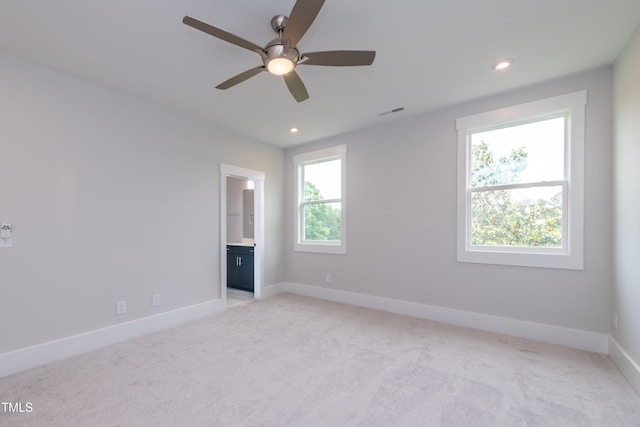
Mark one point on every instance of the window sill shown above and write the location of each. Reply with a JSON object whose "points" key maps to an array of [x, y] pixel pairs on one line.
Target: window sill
{"points": [[523, 259], [320, 248]]}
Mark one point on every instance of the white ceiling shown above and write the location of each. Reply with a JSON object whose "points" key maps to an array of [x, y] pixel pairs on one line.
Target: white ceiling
{"points": [[430, 54]]}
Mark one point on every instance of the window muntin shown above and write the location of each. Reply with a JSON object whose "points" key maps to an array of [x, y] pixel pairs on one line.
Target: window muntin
{"points": [[517, 180], [320, 202], [521, 184]]}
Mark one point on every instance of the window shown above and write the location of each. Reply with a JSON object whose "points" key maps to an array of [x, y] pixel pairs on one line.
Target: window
{"points": [[320, 208], [520, 184]]}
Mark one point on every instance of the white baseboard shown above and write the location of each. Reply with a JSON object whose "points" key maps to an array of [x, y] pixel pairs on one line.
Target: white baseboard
{"points": [[271, 290], [41, 354], [573, 338], [629, 368]]}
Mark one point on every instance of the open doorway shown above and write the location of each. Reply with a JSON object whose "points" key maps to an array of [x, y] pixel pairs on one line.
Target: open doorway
{"points": [[242, 233]]}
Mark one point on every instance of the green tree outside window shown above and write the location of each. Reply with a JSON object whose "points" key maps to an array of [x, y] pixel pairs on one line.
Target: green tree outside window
{"points": [[321, 220]]}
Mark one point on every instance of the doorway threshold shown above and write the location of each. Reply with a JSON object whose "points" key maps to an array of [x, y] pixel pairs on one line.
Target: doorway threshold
{"points": [[237, 297]]}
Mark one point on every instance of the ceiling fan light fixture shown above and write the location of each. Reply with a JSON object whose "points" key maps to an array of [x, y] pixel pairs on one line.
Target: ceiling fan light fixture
{"points": [[280, 66]]}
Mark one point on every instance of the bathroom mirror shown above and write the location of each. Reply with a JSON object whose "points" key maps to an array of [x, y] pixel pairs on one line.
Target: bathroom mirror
{"points": [[247, 214]]}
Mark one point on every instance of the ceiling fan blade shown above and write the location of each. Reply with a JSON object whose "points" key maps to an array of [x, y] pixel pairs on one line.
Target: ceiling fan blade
{"points": [[339, 58], [221, 34], [296, 87], [240, 77], [302, 15]]}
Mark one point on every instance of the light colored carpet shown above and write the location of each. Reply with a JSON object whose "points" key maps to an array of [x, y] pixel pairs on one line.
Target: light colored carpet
{"points": [[296, 361]]}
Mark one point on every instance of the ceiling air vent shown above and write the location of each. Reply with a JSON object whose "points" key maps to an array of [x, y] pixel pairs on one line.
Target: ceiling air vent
{"points": [[395, 110]]}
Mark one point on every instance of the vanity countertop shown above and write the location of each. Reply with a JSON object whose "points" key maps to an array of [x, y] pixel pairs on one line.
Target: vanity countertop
{"points": [[241, 244]]}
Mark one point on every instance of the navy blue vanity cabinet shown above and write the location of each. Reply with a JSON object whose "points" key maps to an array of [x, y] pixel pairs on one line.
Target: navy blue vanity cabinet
{"points": [[240, 267]]}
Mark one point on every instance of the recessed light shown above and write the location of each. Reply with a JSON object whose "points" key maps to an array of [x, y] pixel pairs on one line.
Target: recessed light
{"points": [[503, 64], [293, 129]]}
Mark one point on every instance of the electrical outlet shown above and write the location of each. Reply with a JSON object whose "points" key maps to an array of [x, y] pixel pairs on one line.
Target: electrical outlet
{"points": [[328, 278], [155, 300], [615, 321], [6, 232], [121, 307]]}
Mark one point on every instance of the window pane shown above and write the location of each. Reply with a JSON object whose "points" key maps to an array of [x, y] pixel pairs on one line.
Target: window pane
{"points": [[519, 217], [322, 181], [322, 221], [532, 152]]}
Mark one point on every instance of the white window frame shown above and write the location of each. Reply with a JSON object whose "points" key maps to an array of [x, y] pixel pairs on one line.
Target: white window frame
{"points": [[571, 255], [299, 161]]}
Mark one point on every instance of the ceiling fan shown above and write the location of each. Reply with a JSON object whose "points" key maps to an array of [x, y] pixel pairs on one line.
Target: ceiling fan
{"points": [[281, 55]]}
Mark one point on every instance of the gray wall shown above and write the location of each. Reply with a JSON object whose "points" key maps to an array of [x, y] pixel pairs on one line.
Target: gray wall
{"points": [[401, 186], [626, 290], [112, 199]]}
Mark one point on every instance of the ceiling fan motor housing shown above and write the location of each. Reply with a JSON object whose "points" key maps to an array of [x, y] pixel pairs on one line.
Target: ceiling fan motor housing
{"points": [[277, 50]]}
